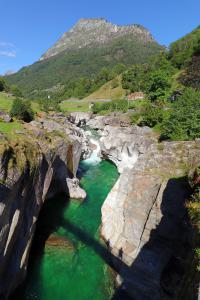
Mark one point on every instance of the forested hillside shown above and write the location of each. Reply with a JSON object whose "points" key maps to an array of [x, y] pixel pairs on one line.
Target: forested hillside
{"points": [[60, 71]]}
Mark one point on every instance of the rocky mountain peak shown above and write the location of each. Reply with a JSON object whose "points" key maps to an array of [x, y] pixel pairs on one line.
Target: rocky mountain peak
{"points": [[91, 32]]}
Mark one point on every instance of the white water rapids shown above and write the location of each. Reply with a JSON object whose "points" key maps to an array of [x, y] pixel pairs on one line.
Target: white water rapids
{"points": [[94, 158]]}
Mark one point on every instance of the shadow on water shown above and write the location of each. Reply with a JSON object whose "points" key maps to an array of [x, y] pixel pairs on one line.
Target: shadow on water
{"points": [[49, 221], [160, 264]]}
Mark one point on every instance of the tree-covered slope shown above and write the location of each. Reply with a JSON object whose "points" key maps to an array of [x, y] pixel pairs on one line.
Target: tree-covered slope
{"points": [[73, 63], [183, 49]]}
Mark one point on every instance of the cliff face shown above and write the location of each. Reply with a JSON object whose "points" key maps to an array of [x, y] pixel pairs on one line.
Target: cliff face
{"points": [[144, 218], [96, 32], [33, 168]]}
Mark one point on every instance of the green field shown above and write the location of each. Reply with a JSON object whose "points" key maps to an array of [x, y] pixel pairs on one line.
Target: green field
{"points": [[9, 128], [5, 102], [70, 106]]}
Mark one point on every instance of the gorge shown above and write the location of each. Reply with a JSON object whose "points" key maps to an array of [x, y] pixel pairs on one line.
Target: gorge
{"points": [[144, 223]]}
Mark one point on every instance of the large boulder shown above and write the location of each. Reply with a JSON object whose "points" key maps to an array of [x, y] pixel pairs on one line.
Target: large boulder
{"points": [[114, 119], [79, 118], [75, 191], [5, 117]]}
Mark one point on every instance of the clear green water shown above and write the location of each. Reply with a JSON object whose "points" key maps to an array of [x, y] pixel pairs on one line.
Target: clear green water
{"points": [[75, 272]]}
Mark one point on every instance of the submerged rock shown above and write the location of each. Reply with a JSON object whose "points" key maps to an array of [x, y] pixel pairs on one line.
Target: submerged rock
{"points": [[58, 242]]}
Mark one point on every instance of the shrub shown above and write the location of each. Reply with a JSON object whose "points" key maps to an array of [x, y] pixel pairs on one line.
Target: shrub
{"points": [[183, 123], [47, 105], [151, 115], [115, 83], [114, 105], [119, 105], [136, 119], [22, 110]]}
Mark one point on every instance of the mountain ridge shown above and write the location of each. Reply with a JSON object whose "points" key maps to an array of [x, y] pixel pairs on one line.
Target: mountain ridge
{"points": [[88, 32], [82, 52]]}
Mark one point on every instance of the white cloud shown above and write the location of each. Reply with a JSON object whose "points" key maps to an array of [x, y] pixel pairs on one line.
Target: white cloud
{"points": [[8, 53], [7, 49], [6, 44]]}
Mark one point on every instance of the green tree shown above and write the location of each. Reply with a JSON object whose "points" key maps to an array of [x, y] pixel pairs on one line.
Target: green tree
{"points": [[151, 115], [134, 78], [103, 75], [183, 122], [16, 91], [158, 85], [21, 109], [119, 68], [2, 84]]}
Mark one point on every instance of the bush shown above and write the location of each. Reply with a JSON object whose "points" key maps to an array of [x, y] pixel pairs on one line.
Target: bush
{"points": [[152, 115], [114, 105], [136, 119], [22, 110], [47, 105], [183, 123]]}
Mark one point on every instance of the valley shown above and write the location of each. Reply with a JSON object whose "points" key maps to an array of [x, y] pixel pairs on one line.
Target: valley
{"points": [[100, 168]]}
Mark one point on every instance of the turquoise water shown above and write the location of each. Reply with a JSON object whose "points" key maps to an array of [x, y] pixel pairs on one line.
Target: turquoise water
{"points": [[75, 271]]}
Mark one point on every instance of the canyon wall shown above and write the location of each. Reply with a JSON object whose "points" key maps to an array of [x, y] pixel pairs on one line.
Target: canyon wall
{"points": [[34, 166], [144, 218]]}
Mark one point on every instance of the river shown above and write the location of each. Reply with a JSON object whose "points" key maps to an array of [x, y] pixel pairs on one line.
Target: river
{"points": [[73, 269]]}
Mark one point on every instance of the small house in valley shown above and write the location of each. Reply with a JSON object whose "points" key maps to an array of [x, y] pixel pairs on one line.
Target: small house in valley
{"points": [[135, 96]]}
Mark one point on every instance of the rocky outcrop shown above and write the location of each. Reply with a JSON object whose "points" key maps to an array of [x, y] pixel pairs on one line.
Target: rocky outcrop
{"points": [[79, 118], [75, 191], [144, 219], [145, 224], [96, 32], [39, 163], [124, 145], [5, 117], [114, 119]]}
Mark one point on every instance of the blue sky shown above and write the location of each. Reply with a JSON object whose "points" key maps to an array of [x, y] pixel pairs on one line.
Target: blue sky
{"points": [[29, 27]]}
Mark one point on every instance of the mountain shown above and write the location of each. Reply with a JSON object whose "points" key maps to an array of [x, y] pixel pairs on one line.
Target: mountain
{"points": [[83, 51], [96, 33]]}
